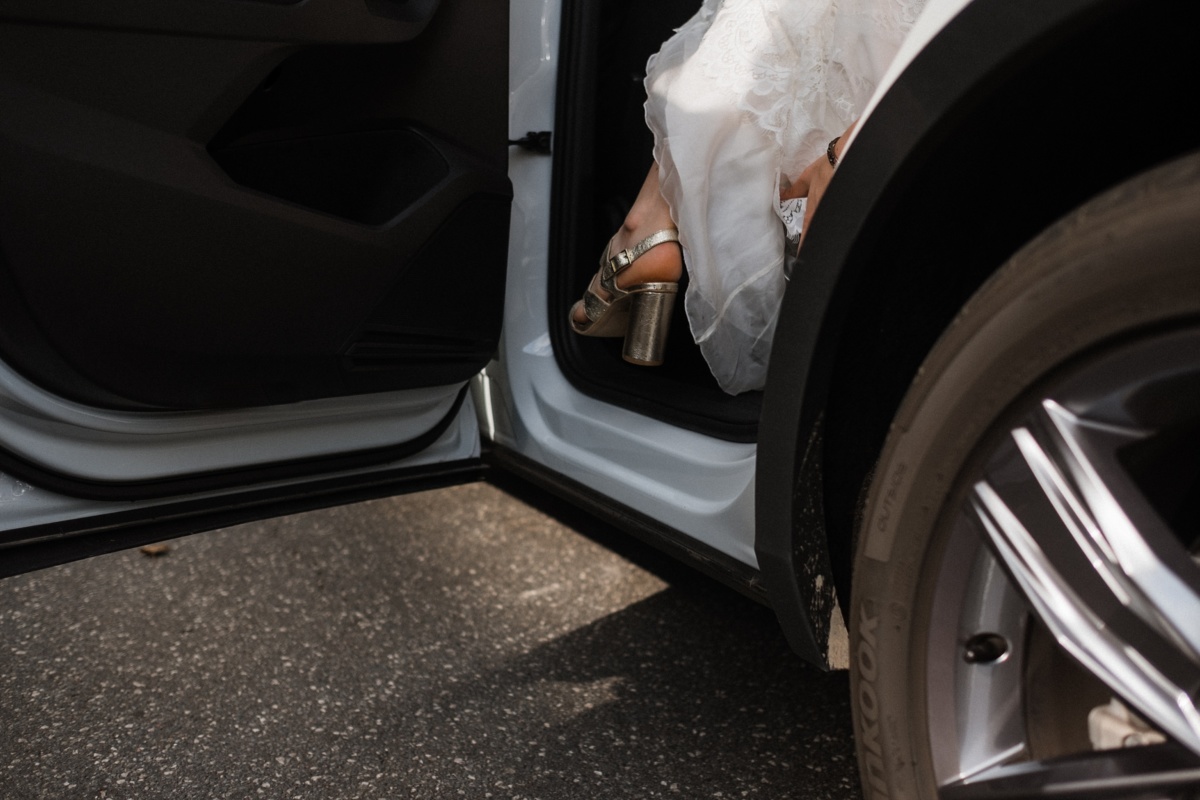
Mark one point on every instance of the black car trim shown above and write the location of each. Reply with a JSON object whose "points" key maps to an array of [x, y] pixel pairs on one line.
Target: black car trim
{"points": [[704, 558], [61, 542], [36, 475]]}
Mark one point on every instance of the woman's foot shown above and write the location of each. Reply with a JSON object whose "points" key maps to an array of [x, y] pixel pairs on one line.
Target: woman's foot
{"points": [[660, 264]]}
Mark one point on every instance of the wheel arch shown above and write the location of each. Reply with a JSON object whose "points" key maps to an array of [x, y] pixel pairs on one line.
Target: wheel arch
{"points": [[1016, 113]]}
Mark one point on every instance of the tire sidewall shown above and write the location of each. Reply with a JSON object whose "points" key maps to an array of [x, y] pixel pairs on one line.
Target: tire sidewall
{"points": [[1121, 265]]}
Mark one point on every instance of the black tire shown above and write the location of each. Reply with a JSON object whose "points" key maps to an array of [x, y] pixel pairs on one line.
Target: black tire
{"points": [[1117, 272]]}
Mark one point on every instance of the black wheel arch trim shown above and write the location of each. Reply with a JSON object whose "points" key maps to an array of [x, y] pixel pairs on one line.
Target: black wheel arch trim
{"points": [[918, 218]]}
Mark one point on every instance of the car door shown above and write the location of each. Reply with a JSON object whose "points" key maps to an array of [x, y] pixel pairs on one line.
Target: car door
{"points": [[251, 253]]}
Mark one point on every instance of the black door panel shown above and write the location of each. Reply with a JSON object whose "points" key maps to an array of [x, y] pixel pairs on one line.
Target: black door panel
{"points": [[263, 20], [249, 203]]}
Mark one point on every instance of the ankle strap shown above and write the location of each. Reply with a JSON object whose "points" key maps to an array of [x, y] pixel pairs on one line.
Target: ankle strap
{"points": [[618, 262]]}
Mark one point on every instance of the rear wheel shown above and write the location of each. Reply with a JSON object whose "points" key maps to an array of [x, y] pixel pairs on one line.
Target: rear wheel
{"points": [[1026, 604]]}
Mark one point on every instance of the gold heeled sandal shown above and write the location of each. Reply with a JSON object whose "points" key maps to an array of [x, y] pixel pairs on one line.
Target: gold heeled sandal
{"points": [[641, 313]]}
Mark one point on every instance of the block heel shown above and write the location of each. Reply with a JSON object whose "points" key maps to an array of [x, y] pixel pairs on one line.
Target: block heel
{"points": [[641, 313], [649, 323]]}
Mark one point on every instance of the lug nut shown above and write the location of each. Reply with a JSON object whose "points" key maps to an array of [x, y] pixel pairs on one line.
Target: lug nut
{"points": [[985, 648]]}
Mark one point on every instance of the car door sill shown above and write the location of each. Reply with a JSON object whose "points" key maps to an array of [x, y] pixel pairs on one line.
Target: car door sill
{"points": [[219, 480]]}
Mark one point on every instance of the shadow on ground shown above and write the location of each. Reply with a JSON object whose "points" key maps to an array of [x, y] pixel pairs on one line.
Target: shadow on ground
{"points": [[456, 643]]}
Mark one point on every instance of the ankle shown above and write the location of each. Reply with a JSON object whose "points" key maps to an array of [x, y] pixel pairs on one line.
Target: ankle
{"points": [[642, 222], [628, 230]]}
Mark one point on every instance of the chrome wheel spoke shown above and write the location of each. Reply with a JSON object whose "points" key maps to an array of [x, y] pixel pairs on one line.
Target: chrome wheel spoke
{"points": [[1160, 771], [1132, 548], [1110, 581]]}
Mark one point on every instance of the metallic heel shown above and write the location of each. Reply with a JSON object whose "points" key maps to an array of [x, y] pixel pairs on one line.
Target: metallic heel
{"points": [[641, 313], [649, 323]]}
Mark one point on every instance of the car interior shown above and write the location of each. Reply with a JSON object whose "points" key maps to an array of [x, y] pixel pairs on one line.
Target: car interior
{"points": [[261, 216], [602, 151]]}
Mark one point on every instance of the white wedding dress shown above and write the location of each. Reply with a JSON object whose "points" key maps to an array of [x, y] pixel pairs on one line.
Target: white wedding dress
{"points": [[742, 96]]}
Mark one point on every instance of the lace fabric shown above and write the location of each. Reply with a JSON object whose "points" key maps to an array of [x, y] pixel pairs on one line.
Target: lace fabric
{"points": [[742, 96]]}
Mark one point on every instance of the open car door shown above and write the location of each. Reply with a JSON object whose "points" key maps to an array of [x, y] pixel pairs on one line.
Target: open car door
{"points": [[251, 253]]}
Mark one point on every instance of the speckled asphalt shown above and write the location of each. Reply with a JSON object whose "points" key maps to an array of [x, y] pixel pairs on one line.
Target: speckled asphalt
{"points": [[453, 643]]}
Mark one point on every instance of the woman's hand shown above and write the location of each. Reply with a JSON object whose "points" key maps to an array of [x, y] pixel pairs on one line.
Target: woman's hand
{"points": [[813, 181]]}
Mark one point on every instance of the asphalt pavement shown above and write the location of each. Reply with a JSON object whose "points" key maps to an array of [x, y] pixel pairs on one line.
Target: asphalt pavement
{"points": [[452, 643]]}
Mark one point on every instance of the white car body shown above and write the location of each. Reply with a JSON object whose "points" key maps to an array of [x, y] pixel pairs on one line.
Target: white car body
{"points": [[697, 484]]}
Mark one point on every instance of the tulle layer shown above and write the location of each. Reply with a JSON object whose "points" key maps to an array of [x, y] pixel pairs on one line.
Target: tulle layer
{"points": [[743, 95]]}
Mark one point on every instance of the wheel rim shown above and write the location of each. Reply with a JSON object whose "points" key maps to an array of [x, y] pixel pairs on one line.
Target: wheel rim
{"points": [[1067, 576]]}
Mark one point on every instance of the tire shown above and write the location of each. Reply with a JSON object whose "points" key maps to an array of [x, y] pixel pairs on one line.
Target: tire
{"points": [[969, 669]]}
